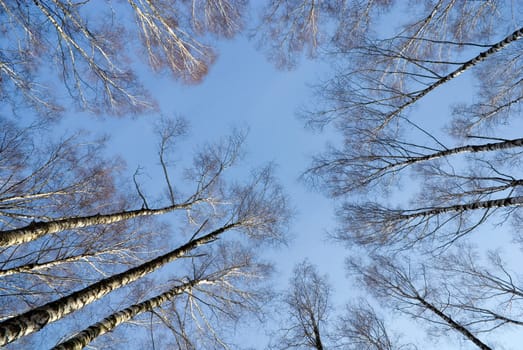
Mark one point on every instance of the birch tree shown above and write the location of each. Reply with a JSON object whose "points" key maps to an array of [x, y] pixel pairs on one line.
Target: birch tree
{"points": [[464, 290], [360, 327], [310, 320], [411, 292], [386, 75], [226, 281], [289, 28], [89, 44], [207, 171], [378, 81], [485, 293], [407, 181], [254, 211], [387, 158], [307, 308], [94, 255], [440, 226]]}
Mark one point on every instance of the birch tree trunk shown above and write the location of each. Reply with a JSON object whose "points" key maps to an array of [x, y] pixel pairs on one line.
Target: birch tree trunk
{"points": [[494, 203], [487, 147], [407, 287], [38, 229], [35, 319], [516, 35], [453, 324], [84, 337], [343, 171], [31, 267]]}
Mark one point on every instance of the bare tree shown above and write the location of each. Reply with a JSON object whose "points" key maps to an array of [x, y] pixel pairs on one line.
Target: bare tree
{"points": [[33, 320], [377, 81], [486, 296], [226, 281], [209, 167], [380, 226], [453, 197], [380, 77], [287, 28], [208, 315], [411, 291], [403, 182], [90, 45], [360, 327], [453, 291], [220, 17], [308, 306], [258, 209], [378, 164], [96, 254], [307, 319]]}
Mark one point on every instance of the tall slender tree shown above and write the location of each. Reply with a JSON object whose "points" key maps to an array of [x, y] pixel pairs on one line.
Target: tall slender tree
{"points": [[410, 289], [307, 306], [54, 262], [409, 183], [227, 282], [89, 43]]}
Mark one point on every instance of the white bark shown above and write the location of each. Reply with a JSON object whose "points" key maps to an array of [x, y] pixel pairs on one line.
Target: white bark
{"points": [[35, 319], [84, 337], [516, 35], [38, 229]]}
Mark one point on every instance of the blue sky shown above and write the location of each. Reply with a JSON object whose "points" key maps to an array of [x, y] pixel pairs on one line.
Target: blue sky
{"points": [[244, 90]]}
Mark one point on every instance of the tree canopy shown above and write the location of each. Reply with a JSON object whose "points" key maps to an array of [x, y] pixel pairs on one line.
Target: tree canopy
{"points": [[419, 103]]}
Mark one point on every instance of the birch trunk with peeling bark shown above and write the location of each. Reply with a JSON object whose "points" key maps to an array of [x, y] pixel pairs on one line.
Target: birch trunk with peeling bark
{"points": [[84, 337], [516, 35], [488, 204], [36, 230], [35, 319]]}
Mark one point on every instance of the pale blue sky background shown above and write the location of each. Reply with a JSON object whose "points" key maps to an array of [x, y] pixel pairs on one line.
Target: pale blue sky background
{"points": [[244, 90]]}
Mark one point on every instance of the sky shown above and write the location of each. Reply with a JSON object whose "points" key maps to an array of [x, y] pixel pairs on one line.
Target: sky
{"points": [[244, 90], [241, 91]]}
